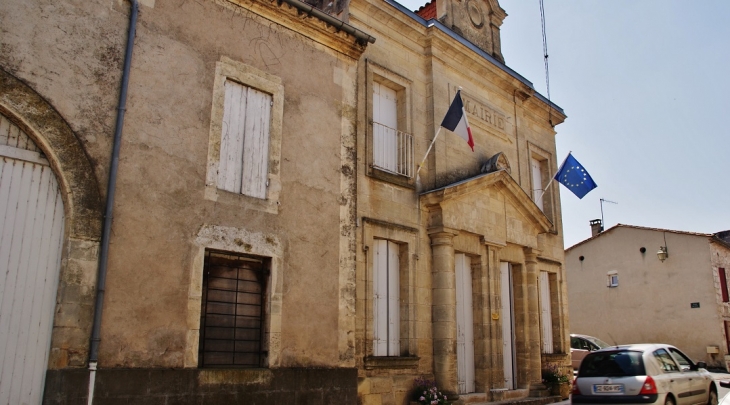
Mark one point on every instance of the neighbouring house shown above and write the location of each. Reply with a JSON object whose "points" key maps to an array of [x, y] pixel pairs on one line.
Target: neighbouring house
{"points": [[633, 284], [237, 214]]}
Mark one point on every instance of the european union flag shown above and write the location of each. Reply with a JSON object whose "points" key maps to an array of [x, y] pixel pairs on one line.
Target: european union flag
{"points": [[575, 177]]}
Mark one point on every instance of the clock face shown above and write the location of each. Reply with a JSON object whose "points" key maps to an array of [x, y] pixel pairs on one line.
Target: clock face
{"points": [[474, 10]]}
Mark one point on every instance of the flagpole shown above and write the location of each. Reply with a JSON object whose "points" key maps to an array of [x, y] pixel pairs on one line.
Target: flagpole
{"points": [[427, 151], [553, 176]]}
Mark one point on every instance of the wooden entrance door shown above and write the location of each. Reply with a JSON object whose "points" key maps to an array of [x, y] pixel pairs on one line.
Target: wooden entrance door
{"points": [[31, 235], [508, 337]]}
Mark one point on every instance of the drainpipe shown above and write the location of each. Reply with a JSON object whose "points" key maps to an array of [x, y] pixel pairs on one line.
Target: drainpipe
{"points": [[111, 188]]}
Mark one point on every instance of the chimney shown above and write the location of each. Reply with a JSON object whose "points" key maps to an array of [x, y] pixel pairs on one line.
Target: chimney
{"points": [[596, 227]]}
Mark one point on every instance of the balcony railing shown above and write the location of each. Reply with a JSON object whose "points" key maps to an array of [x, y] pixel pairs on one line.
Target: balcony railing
{"points": [[392, 150]]}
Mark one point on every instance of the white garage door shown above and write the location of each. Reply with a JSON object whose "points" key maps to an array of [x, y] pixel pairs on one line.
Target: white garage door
{"points": [[31, 230]]}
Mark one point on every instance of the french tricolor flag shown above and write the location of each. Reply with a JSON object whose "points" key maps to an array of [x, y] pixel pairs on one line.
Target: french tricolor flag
{"points": [[455, 120]]}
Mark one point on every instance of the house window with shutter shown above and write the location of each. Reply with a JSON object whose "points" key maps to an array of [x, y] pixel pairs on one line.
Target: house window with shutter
{"points": [[386, 298], [244, 149], [390, 145], [387, 331], [540, 174], [546, 312], [234, 311]]}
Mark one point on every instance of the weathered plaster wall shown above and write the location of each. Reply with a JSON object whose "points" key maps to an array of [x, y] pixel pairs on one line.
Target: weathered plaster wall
{"points": [[71, 54], [652, 302]]}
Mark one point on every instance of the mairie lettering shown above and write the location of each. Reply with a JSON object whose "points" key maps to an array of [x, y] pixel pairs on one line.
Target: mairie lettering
{"points": [[486, 114]]}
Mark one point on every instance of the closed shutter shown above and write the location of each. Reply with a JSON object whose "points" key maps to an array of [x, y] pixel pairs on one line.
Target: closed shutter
{"points": [[244, 156], [386, 299], [385, 119], [31, 238], [546, 313], [537, 192]]}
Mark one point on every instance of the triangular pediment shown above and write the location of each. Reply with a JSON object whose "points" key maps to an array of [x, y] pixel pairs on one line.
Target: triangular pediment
{"points": [[500, 182]]}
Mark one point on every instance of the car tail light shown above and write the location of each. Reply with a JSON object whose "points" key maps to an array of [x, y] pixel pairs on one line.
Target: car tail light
{"points": [[576, 390], [649, 387]]}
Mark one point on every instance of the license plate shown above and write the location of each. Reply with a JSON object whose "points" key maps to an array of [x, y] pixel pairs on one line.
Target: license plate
{"points": [[608, 389]]}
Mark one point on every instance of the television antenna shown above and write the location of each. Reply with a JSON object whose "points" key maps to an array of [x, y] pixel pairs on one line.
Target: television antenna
{"points": [[603, 223]]}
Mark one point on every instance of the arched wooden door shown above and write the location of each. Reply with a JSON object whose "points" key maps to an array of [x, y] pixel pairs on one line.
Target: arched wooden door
{"points": [[31, 237]]}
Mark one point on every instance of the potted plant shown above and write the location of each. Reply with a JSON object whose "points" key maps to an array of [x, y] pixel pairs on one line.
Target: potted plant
{"points": [[556, 380], [427, 393]]}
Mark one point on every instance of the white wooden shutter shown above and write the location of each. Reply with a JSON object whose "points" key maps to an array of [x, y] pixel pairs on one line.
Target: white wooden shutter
{"points": [[464, 325], [537, 192], [546, 313], [393, 300], [244, 158], [31, 237], [385, 113], [380, 297], [386, 299]]}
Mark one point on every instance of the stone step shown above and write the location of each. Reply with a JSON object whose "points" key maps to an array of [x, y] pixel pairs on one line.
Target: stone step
{"points": [[481, 399]]}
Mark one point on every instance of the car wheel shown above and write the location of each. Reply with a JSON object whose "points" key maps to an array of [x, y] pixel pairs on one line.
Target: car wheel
{"points": [[669, 401], [712, 400]]}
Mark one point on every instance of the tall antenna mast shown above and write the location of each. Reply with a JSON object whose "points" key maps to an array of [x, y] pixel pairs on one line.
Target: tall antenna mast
{"points": [[603, 223]]}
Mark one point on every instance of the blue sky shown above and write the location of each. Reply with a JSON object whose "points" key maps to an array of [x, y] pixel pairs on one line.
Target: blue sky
{"points": [[645, 86]]}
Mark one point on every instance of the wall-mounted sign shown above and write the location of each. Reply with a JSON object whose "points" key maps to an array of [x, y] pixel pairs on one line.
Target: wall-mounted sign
{"points": [[694, 305]]}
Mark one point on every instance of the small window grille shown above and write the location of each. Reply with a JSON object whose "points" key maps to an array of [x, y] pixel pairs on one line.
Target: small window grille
{"points": [[233, 311]]}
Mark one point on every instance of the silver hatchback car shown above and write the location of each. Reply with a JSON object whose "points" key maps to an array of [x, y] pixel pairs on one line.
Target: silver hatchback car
{"points": [[642, 374]]}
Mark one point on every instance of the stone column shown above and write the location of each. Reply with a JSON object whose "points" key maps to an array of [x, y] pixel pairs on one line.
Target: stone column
{"points": [[444, 309], [533, 323]]}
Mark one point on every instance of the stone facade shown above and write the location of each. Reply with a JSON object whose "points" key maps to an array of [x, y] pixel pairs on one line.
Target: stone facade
{"points": [[328, 200], [61, 67], [453, 209], [686, 308]]}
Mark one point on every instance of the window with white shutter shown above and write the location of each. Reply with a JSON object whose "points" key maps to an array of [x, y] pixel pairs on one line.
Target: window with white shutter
{"points": [[541, 171], [537, 189], [244, 156], [390, 144], [546, 317], [244, 147], [386, 300]]}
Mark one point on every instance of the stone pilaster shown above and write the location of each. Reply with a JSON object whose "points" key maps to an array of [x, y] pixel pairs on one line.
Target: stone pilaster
{"points": [[444, 309], [532, 328]]}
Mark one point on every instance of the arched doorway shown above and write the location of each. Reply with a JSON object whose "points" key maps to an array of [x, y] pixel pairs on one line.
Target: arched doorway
{"points": [[31, 238], [50, 153]]}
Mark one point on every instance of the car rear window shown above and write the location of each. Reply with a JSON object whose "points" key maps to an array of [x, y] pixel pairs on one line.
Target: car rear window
{"points": [[616, 363]]}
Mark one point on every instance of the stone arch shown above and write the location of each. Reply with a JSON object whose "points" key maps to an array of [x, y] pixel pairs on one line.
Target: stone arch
{"points": [[83, 207]]}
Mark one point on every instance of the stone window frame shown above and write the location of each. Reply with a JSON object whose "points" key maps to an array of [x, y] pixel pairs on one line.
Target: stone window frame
{"points": [[238, 241], [546, 167], [375, 72], [406, 238], [266, 308], [228, 69]]}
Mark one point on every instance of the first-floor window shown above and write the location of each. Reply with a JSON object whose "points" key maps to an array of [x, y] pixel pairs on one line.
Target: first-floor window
{"points": [[244, 148], [233, 313], [386, 302]]}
